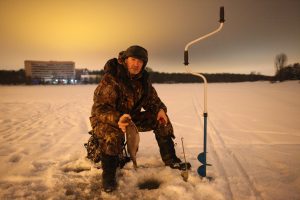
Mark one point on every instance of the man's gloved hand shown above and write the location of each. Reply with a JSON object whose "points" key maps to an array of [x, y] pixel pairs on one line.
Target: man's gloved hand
{"points": [[162, 117], [124, 121]]}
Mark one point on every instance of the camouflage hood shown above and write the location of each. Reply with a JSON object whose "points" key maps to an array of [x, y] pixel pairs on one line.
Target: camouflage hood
{"points": [[120, 72]]}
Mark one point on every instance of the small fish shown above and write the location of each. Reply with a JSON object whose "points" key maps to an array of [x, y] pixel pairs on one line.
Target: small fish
{"points": [[133, 140]]}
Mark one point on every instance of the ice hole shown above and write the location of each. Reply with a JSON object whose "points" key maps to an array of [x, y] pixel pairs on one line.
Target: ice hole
{"points": [[149, 184]]}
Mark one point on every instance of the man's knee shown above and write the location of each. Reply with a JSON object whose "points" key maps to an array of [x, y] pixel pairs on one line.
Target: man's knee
{"points": [[164, 129], [145, 121]]}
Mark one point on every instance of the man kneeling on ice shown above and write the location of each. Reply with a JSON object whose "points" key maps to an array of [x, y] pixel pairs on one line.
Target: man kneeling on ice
{"points": [[123, 92]]}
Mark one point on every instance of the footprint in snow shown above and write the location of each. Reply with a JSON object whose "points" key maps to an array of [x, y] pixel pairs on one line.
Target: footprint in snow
{"points": [[15, 158]]}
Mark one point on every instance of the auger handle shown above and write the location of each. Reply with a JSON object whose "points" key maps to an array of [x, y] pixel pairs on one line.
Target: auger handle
{"points": [[222, 20], [222, 14]]}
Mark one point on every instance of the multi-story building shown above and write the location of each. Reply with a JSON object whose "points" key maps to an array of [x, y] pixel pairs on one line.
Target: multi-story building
{"points": [[50, 71]]}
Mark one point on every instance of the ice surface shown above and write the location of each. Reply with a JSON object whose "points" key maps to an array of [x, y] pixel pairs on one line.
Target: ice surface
{"points": [[253, 144]]}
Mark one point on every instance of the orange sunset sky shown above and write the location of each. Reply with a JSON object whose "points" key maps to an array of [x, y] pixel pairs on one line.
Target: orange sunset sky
{"points": [[92, 31]]}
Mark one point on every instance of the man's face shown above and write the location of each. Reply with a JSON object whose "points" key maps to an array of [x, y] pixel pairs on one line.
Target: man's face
{"points": [[134, 65]]}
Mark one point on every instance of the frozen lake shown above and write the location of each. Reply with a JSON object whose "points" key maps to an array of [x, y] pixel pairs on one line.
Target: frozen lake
{"points": [[253, 143]]}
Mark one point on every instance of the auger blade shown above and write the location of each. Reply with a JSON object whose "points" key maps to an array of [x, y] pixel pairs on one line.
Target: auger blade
{"points": [[202, 158], [202, 170]]}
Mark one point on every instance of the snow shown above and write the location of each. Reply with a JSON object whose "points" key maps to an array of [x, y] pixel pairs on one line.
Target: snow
{"points": [[253, 144]]}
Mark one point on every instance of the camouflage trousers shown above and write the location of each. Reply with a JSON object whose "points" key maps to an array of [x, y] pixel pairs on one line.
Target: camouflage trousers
{"points": [[146, 121], [112, 141]]}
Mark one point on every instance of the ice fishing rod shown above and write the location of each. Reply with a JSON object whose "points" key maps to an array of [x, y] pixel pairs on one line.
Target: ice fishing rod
{"points": [[202, 156]]}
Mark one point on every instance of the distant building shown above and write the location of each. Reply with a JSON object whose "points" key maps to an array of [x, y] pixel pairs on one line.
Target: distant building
{"points": [[85, 76], [50, 71], [80, 72], [90, 78]]}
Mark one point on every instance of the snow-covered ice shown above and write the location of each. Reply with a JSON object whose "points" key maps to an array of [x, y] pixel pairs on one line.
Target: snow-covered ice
{"points": [[253, 144]]}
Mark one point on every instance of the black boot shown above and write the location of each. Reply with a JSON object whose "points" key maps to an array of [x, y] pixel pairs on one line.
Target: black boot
{"points": [[176, 163], [109, 166], [168, 155]]}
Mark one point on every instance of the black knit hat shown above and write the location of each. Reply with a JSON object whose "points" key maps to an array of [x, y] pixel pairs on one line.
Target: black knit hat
{"points": [[137, 52]]}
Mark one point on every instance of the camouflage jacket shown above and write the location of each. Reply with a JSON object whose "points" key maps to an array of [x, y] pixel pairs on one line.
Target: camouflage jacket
{"points": [[118, 94]]}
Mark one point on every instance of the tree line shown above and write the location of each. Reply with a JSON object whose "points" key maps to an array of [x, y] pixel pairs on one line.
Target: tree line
{"points": [[282, 72], [285, 72], [12, 77], [157, 77]]}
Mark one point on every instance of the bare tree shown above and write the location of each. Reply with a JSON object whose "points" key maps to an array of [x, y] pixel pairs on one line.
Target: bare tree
{"points": [[280, 62]]}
